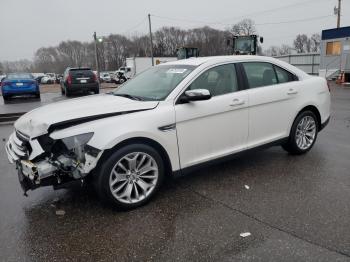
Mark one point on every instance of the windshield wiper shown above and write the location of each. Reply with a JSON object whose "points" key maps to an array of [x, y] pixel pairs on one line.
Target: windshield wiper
{"points": [[138, 98]]}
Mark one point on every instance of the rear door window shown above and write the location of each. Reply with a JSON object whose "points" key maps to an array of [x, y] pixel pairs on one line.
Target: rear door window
{"points": [[260, 74]]}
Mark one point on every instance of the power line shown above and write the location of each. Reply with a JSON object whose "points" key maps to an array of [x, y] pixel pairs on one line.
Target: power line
{"points": [[273, 9], [135, 26], [189, 20], [295, 21], [258, 24]]}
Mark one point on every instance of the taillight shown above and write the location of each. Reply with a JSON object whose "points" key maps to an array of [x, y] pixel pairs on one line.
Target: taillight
{"points": [[94, 77], [5, 83], [69, 79]]}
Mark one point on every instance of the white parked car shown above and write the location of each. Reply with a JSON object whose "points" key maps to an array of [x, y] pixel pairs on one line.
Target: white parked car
{"points": [[49, 78], [168, 120], [105, 77]]}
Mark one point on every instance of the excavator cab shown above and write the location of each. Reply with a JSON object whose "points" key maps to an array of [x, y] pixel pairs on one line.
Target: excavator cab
{"points": [[186, 52]]}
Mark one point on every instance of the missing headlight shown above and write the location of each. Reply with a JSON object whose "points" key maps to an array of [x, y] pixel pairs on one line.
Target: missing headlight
{"points": [[76, 141], [92, 151]]}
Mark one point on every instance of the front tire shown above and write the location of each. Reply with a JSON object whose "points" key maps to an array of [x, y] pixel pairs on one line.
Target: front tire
{"points": [[130, 177], [303, 134]]}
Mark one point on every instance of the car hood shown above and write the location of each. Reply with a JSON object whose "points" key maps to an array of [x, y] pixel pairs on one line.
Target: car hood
{"points": [[66, 113]]}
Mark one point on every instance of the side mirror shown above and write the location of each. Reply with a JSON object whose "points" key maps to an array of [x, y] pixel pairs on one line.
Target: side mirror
{"points": [[195, 95], [261, 39]]}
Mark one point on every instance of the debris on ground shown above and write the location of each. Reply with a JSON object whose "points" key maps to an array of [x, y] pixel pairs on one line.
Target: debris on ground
{"points": [[245, 234]]}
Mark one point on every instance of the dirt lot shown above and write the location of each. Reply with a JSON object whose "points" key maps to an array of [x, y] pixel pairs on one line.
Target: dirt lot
{"points": [[55, 88]]}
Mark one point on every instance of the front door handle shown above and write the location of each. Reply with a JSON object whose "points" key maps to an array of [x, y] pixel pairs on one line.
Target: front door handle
{"points": [[292, 92], [237, 102]]}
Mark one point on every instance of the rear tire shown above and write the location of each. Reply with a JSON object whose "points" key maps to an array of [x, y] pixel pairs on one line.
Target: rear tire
{"points": [[67, 93], [6, 99], [97, 91], [130, 177], [37, 95], [303, 134]]}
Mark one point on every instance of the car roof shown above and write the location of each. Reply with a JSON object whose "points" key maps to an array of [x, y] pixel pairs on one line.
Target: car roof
{"points": [[217, 59], [212, 60]]}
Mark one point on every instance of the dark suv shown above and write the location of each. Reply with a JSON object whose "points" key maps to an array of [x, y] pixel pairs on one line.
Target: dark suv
{"points": [[79, 80]]}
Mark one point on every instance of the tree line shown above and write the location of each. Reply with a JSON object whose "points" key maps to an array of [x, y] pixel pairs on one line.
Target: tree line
{"points": [[114, 49]]}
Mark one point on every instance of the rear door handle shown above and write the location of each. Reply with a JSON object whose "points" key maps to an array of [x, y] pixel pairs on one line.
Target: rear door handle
{"points": [[237, 102], [292, 92]]}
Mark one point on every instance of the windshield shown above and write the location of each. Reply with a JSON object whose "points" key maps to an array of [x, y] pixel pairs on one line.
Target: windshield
{"points": [[244, 44], [155, 83], [20, 76]]}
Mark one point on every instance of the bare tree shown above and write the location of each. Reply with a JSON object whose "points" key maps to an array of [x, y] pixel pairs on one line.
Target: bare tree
{"points": [[74, 51], [140, 46], [315, 42], [302, 43], [22, 65], [114, 49], [244, 27], [272, 51], [117, 48], [209, 41], [285, 50], [168, 39]]}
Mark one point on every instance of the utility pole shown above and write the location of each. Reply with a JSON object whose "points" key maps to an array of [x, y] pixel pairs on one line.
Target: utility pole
{"points": [[150, 35], [338, 13], [96, 59]]}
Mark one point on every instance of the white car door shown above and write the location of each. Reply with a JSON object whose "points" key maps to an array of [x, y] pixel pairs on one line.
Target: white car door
{"points": [[216, 127], [272, 102]]}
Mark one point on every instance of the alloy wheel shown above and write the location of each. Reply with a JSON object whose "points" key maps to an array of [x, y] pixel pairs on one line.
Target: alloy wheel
{"points": [[305, 132], [133, 177]]}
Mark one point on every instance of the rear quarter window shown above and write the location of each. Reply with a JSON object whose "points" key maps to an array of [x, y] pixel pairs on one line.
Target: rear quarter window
{"points": [[283, 75]]}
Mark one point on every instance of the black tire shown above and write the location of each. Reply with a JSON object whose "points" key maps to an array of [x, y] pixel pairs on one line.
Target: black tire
{"points": [[103, 173], [97, 91], [62, 91], [291, 145], [67, 92], [37, 95], [6, 99]]}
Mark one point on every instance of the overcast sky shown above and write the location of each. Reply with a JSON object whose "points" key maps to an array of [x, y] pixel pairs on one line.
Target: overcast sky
{"points": [[27, 25]]}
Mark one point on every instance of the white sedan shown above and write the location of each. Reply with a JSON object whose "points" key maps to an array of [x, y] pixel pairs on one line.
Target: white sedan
{"points": [[166, 121]]}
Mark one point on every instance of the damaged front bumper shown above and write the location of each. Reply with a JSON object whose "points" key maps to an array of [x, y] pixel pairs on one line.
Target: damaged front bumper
{"points": [[37, 168]]}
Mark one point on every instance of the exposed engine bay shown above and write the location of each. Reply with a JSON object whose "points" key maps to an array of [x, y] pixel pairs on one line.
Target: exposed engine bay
{"points": [[43, 161]]}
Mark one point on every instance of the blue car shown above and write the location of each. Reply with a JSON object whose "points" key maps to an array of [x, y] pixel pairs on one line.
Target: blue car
{"points": [[16, 84]]}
